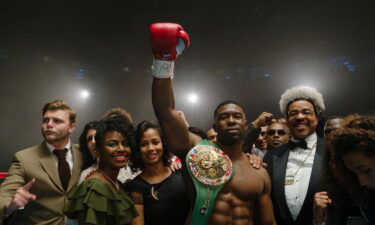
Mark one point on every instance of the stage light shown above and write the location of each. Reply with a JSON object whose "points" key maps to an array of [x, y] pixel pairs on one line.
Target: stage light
{"points": [[85, 94], [193, 98]]}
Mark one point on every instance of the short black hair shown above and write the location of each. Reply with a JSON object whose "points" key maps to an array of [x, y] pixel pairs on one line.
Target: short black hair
{"points": [[87, 157], [137, 163], [114, 125], [227, 102], [198, 131]]}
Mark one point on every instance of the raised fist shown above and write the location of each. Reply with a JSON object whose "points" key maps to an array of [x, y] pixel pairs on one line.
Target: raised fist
{"points": [[168, 40]]}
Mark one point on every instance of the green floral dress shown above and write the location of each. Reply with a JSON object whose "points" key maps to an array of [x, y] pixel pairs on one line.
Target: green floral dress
{"points": [[96, 202]]}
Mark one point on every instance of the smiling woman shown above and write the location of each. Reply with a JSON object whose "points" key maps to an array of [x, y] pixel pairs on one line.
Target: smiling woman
{"points": [[99, 199], [157, 191]]}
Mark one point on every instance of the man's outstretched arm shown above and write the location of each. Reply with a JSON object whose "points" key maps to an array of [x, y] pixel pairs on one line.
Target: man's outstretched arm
{"points": [[168, 40], [13, 192]]}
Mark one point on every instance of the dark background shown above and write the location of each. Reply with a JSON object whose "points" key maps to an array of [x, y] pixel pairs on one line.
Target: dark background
{"points": [[250, 51]]}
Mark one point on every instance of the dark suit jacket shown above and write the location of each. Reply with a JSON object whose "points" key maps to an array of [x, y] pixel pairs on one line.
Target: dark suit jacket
{"points": [[277, 160], [39, 162]]}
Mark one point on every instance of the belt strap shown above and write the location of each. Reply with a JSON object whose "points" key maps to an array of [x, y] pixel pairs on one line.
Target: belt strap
{"points": [[210, 169]]}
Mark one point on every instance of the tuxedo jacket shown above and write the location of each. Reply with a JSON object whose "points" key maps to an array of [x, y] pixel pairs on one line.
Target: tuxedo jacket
{"points": [[39, 163], [277, 161]]}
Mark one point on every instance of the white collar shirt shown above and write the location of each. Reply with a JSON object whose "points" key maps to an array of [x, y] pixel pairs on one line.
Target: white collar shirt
{"points": [[69, 155], [299, 168]]}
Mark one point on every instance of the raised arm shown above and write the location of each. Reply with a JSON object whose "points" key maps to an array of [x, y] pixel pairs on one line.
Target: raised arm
{"points": [[168, 40], [253, 130]]}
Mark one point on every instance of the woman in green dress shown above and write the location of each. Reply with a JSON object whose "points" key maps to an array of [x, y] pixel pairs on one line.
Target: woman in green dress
{"points": [[99, 199]]}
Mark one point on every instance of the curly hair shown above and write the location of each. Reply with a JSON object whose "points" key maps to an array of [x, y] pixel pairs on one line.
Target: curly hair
{"points": [[357, 134], [136, 159], [302, 93], [87, 157], [114, 125], [227, 102], [118, 113]]}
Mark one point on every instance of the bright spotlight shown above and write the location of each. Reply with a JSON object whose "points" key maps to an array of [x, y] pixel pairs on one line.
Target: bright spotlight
{"points": [[193, 98], [85, 94]]}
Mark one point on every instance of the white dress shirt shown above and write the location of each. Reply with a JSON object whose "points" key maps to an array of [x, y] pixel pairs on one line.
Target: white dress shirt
{"points": [[299, 158], [69, 155]]}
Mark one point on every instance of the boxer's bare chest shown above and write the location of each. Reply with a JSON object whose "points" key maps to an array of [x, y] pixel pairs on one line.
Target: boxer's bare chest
{"points": [[246, 184], [235, 202]]}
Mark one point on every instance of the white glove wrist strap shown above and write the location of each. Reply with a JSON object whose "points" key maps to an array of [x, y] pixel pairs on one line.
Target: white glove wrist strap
{"points": [[162, 68]]}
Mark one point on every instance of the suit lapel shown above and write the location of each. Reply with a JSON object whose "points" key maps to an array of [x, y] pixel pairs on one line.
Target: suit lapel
{"points": [[313, 183], [280, 161], [48, 163], [77, 167]]}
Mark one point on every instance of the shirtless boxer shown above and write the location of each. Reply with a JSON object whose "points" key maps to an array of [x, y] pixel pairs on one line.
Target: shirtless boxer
{"points": [[245, 198]]}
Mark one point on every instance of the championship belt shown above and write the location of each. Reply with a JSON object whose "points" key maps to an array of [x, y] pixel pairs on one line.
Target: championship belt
{"points": [[211, 169]]}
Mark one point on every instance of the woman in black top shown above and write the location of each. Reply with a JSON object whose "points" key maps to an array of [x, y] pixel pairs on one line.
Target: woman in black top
{"points": [[159, 194]]}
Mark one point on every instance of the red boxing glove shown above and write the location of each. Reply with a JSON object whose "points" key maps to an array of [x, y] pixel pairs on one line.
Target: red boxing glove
{"points": [[168, 40]]}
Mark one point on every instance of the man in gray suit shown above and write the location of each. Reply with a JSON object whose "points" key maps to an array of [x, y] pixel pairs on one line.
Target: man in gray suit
{"points": [[41, 176]]}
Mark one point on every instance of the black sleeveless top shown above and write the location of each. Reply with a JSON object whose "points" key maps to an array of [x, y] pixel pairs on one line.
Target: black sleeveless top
{"points": [[165, 203]]}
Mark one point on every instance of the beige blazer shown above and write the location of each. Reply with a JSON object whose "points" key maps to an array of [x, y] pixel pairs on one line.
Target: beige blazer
{"points": [[39, 162]]}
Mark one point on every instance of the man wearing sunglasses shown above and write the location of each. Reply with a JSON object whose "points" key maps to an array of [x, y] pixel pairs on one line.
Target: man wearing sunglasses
{"points": [[277, 135]]}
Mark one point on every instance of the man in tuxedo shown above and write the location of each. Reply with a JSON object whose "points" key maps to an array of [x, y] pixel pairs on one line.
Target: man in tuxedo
{"points": [[40, 177], [295, 167]]}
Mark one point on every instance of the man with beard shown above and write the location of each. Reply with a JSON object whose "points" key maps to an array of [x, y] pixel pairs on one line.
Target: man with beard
{"points": [[295, 168], [277, 135], [41, 177], [243, 198]]}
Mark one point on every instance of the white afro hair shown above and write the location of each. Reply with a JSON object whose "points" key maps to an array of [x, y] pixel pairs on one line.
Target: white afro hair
{"points": [[302, 93]]}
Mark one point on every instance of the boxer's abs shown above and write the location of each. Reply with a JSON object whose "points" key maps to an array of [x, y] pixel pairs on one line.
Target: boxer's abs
{"points": [[234, 204], [231, 210]]}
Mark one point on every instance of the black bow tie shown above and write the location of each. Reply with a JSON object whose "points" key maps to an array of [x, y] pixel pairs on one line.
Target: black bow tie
{"points": [[295, 144]]}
